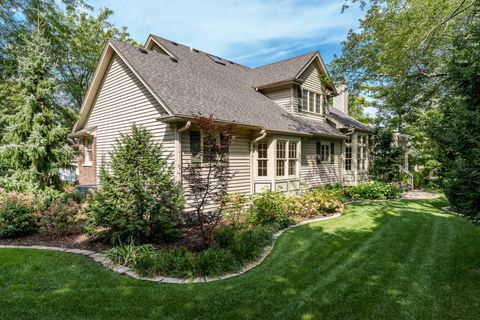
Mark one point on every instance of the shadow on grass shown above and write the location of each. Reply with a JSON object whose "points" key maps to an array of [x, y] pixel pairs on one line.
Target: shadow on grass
{"points": [[401, 259]]}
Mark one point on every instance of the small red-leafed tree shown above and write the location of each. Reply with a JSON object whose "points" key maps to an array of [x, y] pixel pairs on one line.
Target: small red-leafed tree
{"points": [[207, 180]]}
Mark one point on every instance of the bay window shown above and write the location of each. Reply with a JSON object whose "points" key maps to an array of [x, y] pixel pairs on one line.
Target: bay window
{"points": [[281, 158], [287, 158], [262, 159], [362, 145], [292, 158]]}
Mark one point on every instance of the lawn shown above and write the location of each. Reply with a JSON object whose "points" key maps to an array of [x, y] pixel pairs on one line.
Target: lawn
{"points": [[383, 260]]}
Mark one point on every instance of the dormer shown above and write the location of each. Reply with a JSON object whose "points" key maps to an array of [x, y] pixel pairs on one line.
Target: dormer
{"points": [[300, 85]]}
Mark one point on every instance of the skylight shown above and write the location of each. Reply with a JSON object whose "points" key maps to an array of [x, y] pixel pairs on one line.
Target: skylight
{"points": [[216, 59]]}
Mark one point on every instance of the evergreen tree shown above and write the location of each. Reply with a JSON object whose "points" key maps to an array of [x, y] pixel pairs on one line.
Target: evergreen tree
{"points": [[139, 199], [34, 144], [458, 131]]}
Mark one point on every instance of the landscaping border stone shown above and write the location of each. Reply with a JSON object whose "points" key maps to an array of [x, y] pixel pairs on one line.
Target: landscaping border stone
{"points": [[100, 257]]}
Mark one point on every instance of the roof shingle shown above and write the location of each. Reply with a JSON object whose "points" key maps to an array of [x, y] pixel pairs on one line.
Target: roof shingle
{"points": [[197, 85]]}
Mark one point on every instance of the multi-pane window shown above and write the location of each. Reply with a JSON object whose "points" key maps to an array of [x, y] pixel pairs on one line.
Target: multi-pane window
{"points": [[325, 152], [312, 101], [317, 103], [287, 158], [281, 157], [88, 152], [305, 100], [292, 158], [348, 153], [362, 147], [262, 159], [348, 158]]}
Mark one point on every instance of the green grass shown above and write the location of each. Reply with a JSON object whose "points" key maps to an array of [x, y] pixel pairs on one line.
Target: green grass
{"points": [[382, 260]]}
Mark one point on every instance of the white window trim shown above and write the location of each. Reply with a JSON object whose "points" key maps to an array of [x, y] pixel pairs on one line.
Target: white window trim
{"points": [[305, 105], [87, 159], [287, 158]]}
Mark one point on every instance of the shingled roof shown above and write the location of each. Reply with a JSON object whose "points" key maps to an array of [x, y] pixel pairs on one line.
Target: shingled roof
{"points": [[195, 84], [348, 121]]}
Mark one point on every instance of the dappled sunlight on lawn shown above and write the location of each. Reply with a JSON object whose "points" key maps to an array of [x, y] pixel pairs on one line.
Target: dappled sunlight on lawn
{"points": [[396, 259]]}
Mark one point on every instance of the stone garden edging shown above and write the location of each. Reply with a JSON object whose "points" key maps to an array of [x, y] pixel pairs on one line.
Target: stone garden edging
{"points": [[101, 258]]}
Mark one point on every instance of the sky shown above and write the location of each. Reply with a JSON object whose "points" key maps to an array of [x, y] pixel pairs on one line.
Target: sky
{"points": [[249, 32]]}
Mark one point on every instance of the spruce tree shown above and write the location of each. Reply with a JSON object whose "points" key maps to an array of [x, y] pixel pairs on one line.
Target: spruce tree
{"points": [[139, 199], [35, 141]]}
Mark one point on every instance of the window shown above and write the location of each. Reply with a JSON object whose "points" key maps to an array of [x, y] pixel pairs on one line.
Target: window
{"points": [[195, 146], [292, 158], [332, 152], [317, 103], [325, 152], [362, 152], [88, 152], [281, 158], [305, 100], [312, 101], [262, 159], [348, 158]]}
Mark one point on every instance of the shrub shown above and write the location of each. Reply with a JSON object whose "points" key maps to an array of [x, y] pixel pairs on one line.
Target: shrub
{"points": [[235, 209], [236, 248], [269, 207], [373, 190], [61, 218], [17, 215], [314, 202], [139, 198]]}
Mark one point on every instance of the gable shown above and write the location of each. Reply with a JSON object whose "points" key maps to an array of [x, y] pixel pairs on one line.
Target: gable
{"points": [[110, 56], [120, 95], [311, 78]]}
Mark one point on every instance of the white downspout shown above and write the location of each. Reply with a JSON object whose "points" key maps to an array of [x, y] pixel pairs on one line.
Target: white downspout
{"points": [[262, 136], [178, 151]]}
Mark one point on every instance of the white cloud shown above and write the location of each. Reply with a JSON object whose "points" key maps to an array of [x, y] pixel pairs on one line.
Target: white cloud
{"points": [[238, 30]]}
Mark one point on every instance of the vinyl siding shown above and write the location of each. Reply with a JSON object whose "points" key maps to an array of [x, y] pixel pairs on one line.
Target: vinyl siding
{"points": [[311, 78], [239, 161], [282, 97], [121, 102], [315, 174]]}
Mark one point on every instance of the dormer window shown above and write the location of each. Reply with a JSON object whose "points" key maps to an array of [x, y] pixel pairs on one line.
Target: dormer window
{"points": [[312, 102]]}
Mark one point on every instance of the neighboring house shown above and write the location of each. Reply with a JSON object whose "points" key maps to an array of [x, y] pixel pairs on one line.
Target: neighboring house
{"points": [[294, 128]]}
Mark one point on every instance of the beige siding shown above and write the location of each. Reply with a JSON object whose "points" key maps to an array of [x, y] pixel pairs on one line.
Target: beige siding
{"points": [[282, 97], [239, 160], [311, 77], [121, 102], [314, 174]]}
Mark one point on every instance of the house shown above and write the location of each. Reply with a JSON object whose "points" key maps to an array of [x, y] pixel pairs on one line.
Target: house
{"points": [[294, 127]]}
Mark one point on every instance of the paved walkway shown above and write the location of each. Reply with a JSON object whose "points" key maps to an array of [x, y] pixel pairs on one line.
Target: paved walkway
{"points": [[419, 195]]}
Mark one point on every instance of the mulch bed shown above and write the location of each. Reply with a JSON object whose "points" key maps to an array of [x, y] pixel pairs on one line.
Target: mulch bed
{"points": [[78, 241]]}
